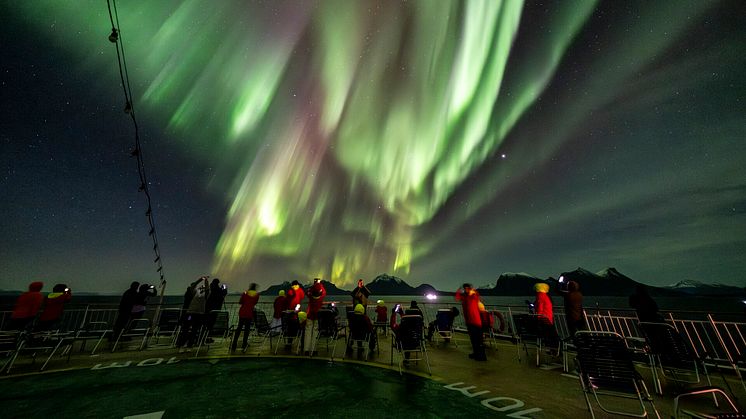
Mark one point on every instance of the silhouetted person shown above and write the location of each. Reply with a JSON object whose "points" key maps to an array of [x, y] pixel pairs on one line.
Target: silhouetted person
{"points": [[646, 308], [360, 294], [215, 300], [194, 316], [414, 309], [27, 307], [125, 309], [141, 300], [573, 307]]}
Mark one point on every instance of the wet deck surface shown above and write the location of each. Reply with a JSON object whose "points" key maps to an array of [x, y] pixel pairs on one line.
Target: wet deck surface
{"points": [[261, 384]]}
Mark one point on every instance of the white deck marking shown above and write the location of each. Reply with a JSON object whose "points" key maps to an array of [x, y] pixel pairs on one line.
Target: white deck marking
{"points": [[151, 415]]}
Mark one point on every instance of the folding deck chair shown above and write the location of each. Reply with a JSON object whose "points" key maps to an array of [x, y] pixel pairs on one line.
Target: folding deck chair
{"points": [[137, 330], [680, 412], [409, 339], [290, 331], [328, 329], [526, 332], [605, 368], [444, 325], [669, 352], [358, 336], [220, 330], [169, 325], [262, 330]]}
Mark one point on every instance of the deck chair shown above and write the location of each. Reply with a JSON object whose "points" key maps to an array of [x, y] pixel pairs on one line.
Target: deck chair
{"points": [[10, 343], [669, 353], [137, 330], [358, 336], [46, 342], [605, 369], [328, 329], [169, 326], [290, 331], [96, 325], [219, 333], [409, 342], [444, 326], [526, 332], [261, 330], [680, 412]]}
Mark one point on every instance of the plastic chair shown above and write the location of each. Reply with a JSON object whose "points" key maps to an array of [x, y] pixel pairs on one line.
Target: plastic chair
{"points": [[328, 329], [290, 330]]}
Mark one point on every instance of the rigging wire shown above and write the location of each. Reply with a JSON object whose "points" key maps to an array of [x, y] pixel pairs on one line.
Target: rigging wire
{"points": [[116, 38]]}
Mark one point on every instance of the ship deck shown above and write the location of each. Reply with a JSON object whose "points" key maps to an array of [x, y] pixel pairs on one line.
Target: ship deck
{"points": [[162, 382]]}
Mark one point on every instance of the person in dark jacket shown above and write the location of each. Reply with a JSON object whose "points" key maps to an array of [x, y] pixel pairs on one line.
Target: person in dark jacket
{"points": [[125, 309], [215, 301], [54, 305], [469, 298], [280, 304], [141, 300], [646, 308], [27, 307], [360, 294], [245, 316], [573, 307]]}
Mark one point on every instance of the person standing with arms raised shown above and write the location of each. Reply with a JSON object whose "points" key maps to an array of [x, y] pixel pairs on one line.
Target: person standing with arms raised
{"points": [[469, 298]]}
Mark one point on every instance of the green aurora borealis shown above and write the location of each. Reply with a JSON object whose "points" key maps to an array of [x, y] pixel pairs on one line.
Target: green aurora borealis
{"points": [[441, 141]]}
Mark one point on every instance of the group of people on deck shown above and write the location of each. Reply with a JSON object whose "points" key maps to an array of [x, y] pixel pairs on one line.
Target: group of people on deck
{"points": [[34, 311]]}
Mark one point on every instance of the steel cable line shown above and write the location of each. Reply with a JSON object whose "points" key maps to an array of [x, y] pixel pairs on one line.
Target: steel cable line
{"points": [[116, 38]]}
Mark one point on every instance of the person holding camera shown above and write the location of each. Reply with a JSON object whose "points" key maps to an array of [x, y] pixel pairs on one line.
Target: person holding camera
{"points": [[215, 301], [54, 304], [141, 300], [469, 298], [316, 294], [194, 315]]}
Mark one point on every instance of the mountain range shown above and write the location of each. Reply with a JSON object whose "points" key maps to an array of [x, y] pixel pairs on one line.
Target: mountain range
{"points": [[608, 282]]}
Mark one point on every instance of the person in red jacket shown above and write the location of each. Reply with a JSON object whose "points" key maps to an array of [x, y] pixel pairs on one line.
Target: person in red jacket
{"points": [[245, 316], [27, 306], [54, 304], [546, 316], [295, 295], [280, 305], [469, 298], [316, 294]]}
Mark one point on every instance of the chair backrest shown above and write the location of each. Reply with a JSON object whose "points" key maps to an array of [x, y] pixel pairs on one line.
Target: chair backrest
{"points": [[169, 318], [358, 327], [605, 361], [526, 325], [327, 325], [443, 319], [410, 332], [664, 341], [222, 322], [290, 323], [260, 321]]}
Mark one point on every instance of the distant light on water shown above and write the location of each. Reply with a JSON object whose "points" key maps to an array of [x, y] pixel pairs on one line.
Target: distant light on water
{"points": [[431, 296], [561, 279]]}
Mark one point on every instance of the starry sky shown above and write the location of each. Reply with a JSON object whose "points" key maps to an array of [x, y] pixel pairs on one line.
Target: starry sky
{"points": [[439, 141]]}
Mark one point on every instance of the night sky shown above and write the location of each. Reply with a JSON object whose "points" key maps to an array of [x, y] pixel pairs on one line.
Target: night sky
{"points": [[438, 141]]}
